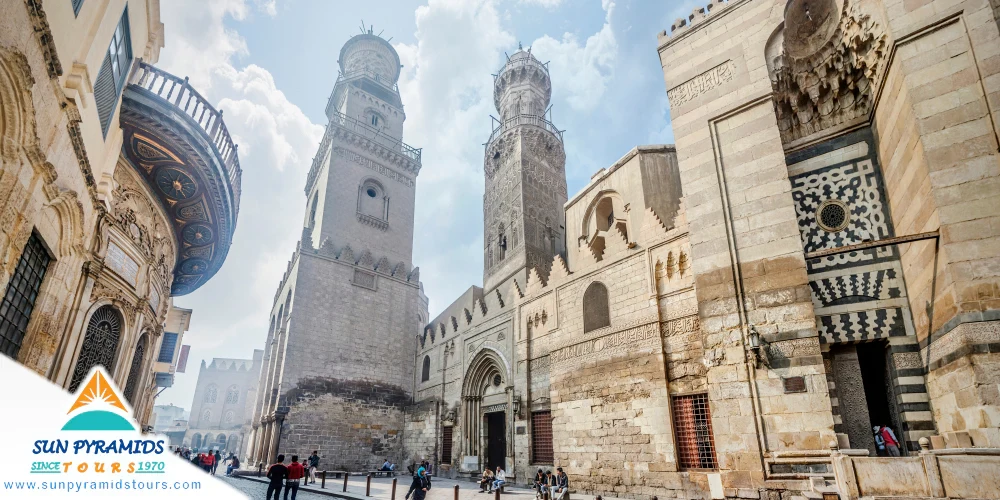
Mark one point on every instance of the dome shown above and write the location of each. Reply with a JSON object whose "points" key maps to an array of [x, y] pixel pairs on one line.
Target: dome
{"points": [[372, 54]]}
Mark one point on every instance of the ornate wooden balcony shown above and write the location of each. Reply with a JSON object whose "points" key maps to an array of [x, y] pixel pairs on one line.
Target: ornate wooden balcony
{"points": [[180, 145]]}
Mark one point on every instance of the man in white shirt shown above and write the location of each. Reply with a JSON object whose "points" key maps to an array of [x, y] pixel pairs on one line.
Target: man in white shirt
{"points": [[501, 479]]}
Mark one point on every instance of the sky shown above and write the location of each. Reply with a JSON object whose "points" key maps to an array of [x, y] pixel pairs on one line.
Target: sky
{"points": [[270, 65]]}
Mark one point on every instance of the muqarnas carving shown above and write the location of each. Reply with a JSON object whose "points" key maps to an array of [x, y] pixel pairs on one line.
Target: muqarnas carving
{"points": [[831, 54]]}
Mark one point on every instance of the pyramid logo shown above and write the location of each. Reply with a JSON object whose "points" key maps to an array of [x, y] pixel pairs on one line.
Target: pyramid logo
{"points": [[98, 406]]}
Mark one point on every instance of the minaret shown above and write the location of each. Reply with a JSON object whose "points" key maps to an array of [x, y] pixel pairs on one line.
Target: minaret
{"points": [[339, 351], [364, 197], [525, 167]]}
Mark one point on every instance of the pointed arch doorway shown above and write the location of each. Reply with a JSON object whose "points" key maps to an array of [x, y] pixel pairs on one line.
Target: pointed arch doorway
{"points": [[488, 410]]}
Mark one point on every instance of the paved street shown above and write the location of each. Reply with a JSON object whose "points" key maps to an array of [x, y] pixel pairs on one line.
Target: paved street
{"points": [[381, 489]]}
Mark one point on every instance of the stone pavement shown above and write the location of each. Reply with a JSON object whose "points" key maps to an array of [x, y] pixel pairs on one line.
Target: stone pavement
{"points": [[443, 489]]}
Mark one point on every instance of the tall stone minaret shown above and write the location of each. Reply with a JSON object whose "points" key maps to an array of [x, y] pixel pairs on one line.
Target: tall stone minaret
{"points": [[339, 354], [525, 168]]}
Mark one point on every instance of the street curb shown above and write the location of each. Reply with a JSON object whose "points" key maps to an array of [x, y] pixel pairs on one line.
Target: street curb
{"points": [[318, 490]]}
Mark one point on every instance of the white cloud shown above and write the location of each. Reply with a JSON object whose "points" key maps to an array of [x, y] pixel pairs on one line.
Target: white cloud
{"points": [[277, 142], [448, 93], [548, 4], [581, 72]]}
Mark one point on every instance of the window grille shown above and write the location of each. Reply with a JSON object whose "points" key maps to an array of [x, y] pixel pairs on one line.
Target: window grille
{"points": [[693, 430], [446, 440], [77, 5], [99, 344], [211, 394], [113, 73], [541, 438], [135, 371], [232, 395], [22, 291]]}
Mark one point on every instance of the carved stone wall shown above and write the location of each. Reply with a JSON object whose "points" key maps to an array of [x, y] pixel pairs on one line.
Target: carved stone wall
{"points": [[832, 55], [525, 166]]}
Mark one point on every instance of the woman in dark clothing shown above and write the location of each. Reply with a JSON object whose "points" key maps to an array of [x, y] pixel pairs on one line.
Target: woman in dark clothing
{"points": [[421, 483]]}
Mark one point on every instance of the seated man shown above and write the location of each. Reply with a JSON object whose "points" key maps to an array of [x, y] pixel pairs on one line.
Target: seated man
{"points": [[386, 466], [562, 485], [486, 482], [501, 478], [538, 484], [234, 463]]}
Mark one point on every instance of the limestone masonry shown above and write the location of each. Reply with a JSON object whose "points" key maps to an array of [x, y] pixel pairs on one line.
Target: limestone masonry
{"points": [[119, 189], [726, 317], [338, 362]]}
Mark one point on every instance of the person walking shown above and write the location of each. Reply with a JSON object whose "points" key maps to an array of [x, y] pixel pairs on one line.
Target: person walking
{"points": [[215, 461], [562, 485], [206, 462], [886, 440], [421, 483], [313, 465], [295, 473], [277, 473]]}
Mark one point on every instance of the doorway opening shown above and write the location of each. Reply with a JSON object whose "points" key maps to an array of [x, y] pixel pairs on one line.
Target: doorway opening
{"points": [[876, 373], [496, 440], [866, 393]]}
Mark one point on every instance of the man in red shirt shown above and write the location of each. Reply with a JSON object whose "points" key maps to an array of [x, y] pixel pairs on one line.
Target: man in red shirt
{"points": [[276, 473], [295, 473]]}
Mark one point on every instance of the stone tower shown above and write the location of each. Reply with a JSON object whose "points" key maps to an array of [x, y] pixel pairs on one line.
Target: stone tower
{"points": [[525, 167], [339, 354]]}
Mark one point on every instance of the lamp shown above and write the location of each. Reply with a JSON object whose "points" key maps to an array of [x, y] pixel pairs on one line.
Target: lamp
{"points": [[758, 347]]}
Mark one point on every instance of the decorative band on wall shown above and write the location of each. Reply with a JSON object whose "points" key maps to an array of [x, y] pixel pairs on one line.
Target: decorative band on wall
{"points": [[495, 408], [861, 325], [625, 338], [702, 83], [371, 165]]}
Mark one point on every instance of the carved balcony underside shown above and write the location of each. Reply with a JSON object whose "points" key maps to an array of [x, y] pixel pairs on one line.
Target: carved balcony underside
{"points": [[180, 146]]}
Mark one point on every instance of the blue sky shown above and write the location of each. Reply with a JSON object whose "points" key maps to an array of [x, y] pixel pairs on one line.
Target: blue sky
{"points": [[271, 64]]}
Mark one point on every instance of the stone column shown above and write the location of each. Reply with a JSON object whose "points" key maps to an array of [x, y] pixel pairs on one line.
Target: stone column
{"points": [[510, 416]]}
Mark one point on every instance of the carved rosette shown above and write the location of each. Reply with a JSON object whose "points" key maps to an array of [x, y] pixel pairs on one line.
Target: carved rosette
{"points": [[831, 57]]}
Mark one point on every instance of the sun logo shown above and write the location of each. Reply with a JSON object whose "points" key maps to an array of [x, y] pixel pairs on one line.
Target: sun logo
{"points": [[99, 392]]}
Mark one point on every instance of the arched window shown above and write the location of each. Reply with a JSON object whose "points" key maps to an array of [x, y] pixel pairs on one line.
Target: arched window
{"points": [[228, 419], [232, 395], [312, 211], [99, 344], [596, 311], [196, 440], [501, 242], [135, 372], [373, 201], [211, 394], [374, 118], [281, 315], [288, 302], [205, 417], [207, 442], [425, 373]]}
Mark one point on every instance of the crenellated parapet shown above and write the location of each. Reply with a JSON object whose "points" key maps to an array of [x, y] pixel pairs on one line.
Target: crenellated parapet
{"points": [[695, 18]]}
